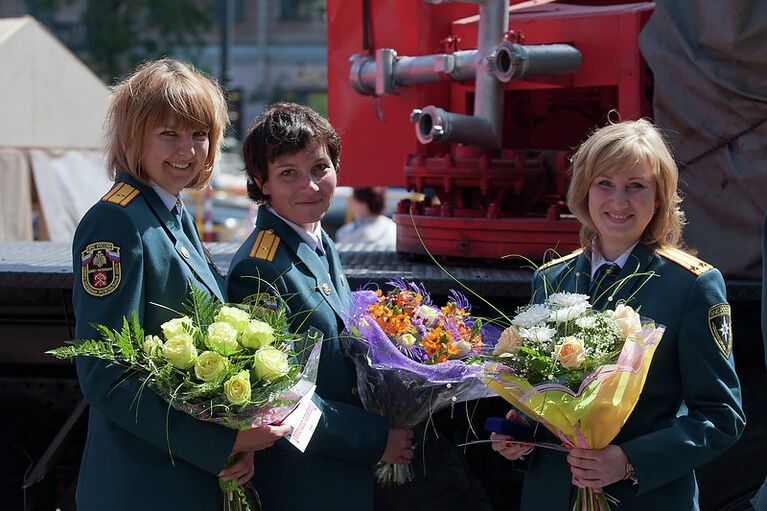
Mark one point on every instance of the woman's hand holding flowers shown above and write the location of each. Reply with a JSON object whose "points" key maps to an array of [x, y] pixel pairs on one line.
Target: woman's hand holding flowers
{"points": [[241, 470], [597, 468], [505, 444], [399, 446], [257, 439]]}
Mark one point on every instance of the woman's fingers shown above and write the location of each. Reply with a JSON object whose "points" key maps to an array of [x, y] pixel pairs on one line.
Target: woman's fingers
{"points": [[508, 448]]}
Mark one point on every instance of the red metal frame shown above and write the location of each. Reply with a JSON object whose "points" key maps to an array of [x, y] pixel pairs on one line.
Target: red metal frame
{"points": [[488, 203]]}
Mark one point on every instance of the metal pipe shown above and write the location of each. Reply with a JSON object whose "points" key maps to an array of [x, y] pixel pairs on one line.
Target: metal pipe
{"points": [[511, 60], [384, 73], [433, 124], [488, 90], [508, 61], [493, 63]]}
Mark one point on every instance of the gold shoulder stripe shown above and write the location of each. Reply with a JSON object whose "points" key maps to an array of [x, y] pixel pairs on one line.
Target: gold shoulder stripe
{"points": [[121, 194], [685, 260], [265, 246], [562, 259]]}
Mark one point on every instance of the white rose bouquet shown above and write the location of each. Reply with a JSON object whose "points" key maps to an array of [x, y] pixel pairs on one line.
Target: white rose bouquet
{"points": [[235, 365], [576, 371]]}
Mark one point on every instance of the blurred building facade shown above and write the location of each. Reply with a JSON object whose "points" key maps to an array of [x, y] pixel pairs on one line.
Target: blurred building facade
{"points": [[277, 47]]}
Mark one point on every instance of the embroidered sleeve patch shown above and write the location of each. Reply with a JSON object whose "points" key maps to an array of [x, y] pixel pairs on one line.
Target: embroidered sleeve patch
{"points": [[720, 324], [100, 268]]}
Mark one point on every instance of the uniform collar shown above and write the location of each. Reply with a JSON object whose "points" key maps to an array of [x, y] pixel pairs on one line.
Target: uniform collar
{"points": [[313, 239], [598, 259], [165, 196]]}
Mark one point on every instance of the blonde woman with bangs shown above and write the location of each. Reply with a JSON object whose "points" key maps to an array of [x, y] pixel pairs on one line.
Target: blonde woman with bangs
{"points": [[136, 248], [624, 192]]}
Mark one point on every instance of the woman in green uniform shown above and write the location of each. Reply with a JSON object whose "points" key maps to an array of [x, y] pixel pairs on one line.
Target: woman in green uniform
{"points": [[135, 251], [291, 157], [624, 192]]}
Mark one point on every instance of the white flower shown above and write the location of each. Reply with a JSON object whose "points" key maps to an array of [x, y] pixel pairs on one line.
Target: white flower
{"points": [[566, 300], [180, 351], [428, 314], [238, 318], [532, 315], [569, 313], [627, 320], [508, 341], [539, 334], [586, 322], [177, 326], [152, 345], [256, 334], [406, 340]]}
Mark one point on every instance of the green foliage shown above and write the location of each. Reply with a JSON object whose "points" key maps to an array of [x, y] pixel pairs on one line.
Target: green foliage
{"points": [[201, 307], [120, 34], [207, 400]]}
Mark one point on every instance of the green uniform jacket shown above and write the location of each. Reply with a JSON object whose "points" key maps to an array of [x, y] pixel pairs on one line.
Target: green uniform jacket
{"points": [[760, 499], [129, 254], [690, 407], [335, 472]]}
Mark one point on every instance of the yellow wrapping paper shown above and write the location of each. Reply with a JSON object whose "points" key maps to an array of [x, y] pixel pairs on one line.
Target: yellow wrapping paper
{"points": [[593, 416]]}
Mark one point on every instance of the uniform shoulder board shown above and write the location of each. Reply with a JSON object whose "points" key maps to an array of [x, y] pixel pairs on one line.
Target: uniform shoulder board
{"points": [[562, 259], [265, 246], [121, 194], [685, 260]]}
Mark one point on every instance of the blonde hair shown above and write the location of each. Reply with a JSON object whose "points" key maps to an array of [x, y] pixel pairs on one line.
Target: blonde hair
{"points": [[622, 146], [143, 101]]}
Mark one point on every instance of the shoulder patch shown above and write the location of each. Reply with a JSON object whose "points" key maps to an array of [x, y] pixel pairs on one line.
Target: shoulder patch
{"points": [[265, 246], [121, 194], [100, 270], [720, 325], [562, 259], [685, 260]]}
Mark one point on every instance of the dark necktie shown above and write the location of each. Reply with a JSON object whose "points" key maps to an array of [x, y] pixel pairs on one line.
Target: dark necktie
{"points": [[603, 283], [323, 257]]}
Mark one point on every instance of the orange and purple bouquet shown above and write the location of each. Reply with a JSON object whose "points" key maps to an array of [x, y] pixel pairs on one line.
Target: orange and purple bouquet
{"points": [[413, 358], [422, 331]]}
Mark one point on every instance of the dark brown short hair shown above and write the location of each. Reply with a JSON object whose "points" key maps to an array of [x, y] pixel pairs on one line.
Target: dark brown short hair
{"points": [[143, 100], [284, 128], [375, 198]]}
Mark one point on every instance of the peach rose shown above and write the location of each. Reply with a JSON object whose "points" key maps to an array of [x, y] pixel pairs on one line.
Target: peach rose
{"points": [[508, 341], [570, 353], [627, 320]]}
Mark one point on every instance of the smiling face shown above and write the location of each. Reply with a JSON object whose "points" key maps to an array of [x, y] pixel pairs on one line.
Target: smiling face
{"points": [[621, 205], [173, 156], [300, 186]]}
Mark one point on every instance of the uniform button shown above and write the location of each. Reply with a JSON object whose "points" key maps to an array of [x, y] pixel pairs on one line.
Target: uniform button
{"points": [[354, 391], [185, 252]]}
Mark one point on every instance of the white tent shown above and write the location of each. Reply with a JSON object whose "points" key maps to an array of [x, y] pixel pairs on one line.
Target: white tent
{"points": [[52, 166]]}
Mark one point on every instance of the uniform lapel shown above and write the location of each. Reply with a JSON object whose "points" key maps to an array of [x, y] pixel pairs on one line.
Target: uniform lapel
{"points": [[324, 284], [197, 259], [189, 251], [582, 274], [340, 284], [632, 275]]}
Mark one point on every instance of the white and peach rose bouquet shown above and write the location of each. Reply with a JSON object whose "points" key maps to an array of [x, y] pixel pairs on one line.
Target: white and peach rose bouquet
{"points": [[577, 371]]}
